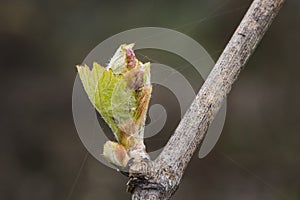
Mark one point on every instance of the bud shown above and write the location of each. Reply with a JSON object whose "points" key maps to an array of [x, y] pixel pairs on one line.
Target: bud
{"points": [[120, 93], [115, 153], [124, 57]]}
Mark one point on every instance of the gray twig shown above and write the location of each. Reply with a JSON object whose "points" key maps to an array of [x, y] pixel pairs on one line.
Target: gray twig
{"points": [[162, 176]]}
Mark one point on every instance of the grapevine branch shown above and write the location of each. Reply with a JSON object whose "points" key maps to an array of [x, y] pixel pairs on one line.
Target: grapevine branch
{"points": [[159, 179]]}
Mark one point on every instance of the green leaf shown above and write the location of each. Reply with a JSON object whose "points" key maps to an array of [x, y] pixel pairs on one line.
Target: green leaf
{"points": [[123, 102], [120, 92], [89, 78], [103, 95]]}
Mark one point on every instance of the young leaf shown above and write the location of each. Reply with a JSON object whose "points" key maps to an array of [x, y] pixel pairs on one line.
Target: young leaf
{"points": [[119, 62], [102, 98], [89, 78], [120, 93]]}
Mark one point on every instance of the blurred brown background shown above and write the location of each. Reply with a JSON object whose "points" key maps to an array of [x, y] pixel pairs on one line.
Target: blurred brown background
{"points": [[41, 155]]}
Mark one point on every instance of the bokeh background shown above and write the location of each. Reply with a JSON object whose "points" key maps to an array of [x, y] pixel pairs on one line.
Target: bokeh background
{"points": [[41, 155]]}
